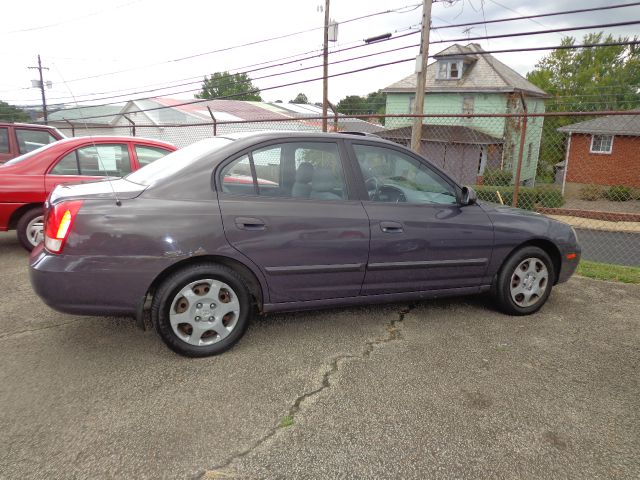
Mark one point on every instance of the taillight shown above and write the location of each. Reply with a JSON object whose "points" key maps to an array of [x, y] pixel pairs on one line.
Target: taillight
{"points": [[58, 223]]}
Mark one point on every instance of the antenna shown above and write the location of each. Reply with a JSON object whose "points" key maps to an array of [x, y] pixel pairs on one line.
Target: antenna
{"points": [[467, 32], [86, 127]]}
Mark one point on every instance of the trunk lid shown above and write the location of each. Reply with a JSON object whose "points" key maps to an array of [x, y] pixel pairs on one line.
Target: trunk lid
{"points": [[101, 189]]}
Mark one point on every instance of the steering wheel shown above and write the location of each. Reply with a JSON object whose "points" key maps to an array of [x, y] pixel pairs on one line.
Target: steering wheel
{"points": [[373, 186]]}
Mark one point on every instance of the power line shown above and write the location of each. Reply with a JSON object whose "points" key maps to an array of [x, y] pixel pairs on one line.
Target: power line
{"points": [[233, 47], [257, 90], [565, 12]]}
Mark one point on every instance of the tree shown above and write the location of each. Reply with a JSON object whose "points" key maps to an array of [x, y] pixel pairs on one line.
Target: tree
{"points": [[236, 86], [585, 79], [582, 80], [300, 98], [9, 113], [373, 103]]}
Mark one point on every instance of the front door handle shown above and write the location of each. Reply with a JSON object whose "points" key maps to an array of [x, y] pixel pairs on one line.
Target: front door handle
{"points": [[391, 227], [250, 223]]}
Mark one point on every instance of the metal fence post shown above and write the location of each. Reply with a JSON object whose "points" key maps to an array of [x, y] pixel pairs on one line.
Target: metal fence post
{"points": [[73, 129], [215, 122], [133, 125]]}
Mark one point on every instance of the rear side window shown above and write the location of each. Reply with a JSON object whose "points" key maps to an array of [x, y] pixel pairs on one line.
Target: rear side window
{"points": [[4, 140], [29, 140], [95, 161], [304, 170], [147, 154]]}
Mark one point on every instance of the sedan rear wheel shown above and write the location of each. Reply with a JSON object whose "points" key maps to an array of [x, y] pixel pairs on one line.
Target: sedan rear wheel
{"points": [[525, 281], [30, 228], [201, 310]]}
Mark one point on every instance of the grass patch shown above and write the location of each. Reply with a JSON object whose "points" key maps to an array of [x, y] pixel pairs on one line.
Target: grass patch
{"points": [[286, 421], [606, 271]]}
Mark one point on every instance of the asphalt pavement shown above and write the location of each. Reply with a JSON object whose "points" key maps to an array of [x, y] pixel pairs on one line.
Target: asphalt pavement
{"points": [[621, 248], [439, 389]]}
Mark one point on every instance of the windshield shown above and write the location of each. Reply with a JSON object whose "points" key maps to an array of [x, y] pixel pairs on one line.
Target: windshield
{"points": [[32, 153], [176, 161]]}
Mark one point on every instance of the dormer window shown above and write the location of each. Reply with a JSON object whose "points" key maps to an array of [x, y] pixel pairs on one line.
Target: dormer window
{"points": [[450, 69]]}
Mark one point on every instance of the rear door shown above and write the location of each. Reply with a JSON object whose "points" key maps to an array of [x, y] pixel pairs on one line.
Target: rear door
{"points": [[89, 162], [421, 237], [288, 207]]}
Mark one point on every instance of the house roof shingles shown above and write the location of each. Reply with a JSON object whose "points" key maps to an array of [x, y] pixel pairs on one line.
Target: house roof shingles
{"points": [[485, 74], [443, 134], [81, 115], [609, 125]]}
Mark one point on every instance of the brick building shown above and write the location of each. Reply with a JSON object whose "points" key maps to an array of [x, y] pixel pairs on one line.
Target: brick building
{"points": [[603, 151]]}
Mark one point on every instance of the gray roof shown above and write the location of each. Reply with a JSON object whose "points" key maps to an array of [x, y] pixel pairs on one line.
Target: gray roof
{"points": [[78, 114], [485, 74], [609, 125], [444, 134]]}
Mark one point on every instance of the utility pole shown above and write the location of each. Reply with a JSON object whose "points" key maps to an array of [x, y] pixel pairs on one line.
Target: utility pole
{"points": [[325, 68], [421, 76], [44, 99]]}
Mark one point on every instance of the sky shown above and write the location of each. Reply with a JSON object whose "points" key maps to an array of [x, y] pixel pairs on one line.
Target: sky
{"points": [[122, 48]]}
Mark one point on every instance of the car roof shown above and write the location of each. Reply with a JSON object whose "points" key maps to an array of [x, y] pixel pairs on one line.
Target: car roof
{"points": [[29, 125], [285, 134], [113, 138]]}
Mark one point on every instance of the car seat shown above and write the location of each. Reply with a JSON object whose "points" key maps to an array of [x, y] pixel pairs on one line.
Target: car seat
{"points": [[323, 184], [302, 186]]}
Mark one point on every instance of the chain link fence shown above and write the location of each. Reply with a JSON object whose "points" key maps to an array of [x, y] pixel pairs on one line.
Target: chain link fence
{"points": [[582, 168]]}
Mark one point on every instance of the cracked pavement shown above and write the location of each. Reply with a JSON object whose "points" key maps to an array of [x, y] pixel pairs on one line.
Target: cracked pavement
{"points": [[441, 389]]}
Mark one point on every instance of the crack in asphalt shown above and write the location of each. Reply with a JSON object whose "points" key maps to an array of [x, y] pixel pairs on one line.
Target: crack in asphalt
{"points": [[394, 333]]}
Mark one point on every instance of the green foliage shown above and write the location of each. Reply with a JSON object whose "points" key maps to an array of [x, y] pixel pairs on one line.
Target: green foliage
{"points": [[609, 272], [585, 79], [618, 193], [495, 176], [373, 103], [528, 197], [591, 192], [635, 194], [235, 86], [9, 113], [300, 98], [286, 421], [549, 197]]}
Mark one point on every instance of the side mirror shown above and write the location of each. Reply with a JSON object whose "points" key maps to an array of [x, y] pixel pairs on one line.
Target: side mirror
{"points": [[469, 196]]}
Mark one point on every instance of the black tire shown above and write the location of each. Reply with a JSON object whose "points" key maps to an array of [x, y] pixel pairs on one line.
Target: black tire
{"points": [[22, 227], [505, 280], [174, 284]]}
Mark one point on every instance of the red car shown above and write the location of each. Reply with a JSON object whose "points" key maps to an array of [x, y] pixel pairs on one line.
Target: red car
{"points": [[25, 181], [20, 138]]}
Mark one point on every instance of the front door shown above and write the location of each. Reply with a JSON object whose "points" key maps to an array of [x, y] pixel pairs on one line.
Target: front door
{"points": [[286, 206], [421, 238]]}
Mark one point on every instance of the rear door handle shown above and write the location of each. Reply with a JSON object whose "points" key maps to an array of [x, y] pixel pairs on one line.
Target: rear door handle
{"points": [[250, 223], [391, 227]]}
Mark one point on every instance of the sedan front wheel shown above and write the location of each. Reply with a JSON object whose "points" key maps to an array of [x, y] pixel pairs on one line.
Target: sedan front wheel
{"points": [[525, 281]]}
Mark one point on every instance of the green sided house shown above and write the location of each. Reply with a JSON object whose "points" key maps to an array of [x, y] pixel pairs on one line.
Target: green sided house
{"points": [[466, 80]]}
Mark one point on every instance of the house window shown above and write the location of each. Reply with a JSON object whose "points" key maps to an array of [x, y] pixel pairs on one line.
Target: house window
{"points": [[467, 105], [450, 69], [601, 143], [529, 149], [412, 101]]}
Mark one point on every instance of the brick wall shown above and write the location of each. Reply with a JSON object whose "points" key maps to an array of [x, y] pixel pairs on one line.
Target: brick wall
{"points": [[620, 167]]}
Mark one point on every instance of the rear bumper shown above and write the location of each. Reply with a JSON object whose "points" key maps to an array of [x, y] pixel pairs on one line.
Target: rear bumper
{"points": [[86, 286]]}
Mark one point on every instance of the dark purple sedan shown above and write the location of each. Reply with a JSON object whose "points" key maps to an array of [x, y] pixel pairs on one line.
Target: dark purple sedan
{"points": [[209, 235]]}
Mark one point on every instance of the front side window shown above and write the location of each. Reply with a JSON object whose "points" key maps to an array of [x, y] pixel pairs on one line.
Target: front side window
{"points": [[303, 170], [601, 143], [95, 161], [29, 140], [147, 155], [393, 177]]}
